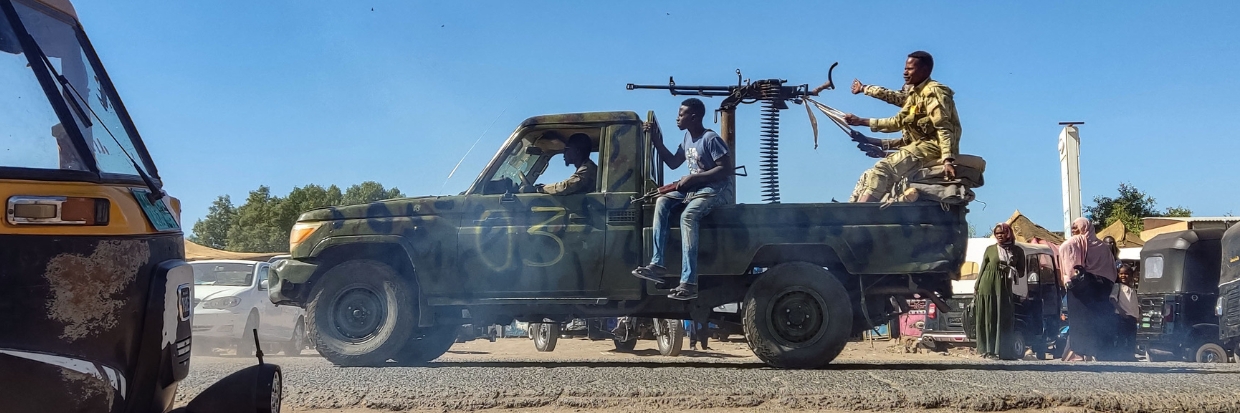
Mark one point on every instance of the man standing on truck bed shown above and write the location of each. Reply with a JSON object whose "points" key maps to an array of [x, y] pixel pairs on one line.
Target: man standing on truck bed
{"points": [[576, 154], [928, 125], [707, 185]]}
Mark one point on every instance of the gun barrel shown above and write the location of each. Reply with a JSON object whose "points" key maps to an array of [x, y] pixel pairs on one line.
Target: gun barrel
{"points": [[687, 90]]}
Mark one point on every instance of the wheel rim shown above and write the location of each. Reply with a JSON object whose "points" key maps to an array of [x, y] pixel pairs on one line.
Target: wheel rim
{"points": [[277, 393], [358, 313], [665, 334], [797, 316], [544, 334], [1211, 356]]}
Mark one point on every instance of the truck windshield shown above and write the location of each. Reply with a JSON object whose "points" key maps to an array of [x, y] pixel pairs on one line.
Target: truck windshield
{"points": [[99, 120], [231, 275]]}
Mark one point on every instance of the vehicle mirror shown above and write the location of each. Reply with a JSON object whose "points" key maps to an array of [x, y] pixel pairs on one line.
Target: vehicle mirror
{"points": [[533, 150], [262, 285]]}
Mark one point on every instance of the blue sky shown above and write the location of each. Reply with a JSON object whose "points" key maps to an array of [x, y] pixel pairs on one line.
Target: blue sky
{"points": [[230, 95]]}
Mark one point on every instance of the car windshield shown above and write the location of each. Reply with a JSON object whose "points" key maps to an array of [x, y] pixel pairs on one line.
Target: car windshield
{"points": [[226, 274], [85, 91]]}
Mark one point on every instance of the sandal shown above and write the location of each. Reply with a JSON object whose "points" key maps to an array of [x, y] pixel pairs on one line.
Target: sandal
{"points": [[650, 272], [684, 292]]}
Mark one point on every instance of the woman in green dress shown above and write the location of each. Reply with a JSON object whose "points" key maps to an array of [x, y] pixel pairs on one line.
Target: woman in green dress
{"points": [[992, 301]]}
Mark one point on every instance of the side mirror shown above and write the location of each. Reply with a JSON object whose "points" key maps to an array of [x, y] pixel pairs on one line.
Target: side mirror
{"points": [[262, 285]]}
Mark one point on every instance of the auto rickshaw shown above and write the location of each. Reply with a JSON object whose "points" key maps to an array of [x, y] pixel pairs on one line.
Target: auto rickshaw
{"points": [[1227, 308], [95, 294], [1179, 289]]}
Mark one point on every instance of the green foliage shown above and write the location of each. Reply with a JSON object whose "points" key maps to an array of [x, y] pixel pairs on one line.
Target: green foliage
{"points": [[1129, 207], [212, 231], [263, 223]]}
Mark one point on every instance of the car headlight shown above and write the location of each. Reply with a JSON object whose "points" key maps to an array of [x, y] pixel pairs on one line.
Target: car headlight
{"points": [[221, 303], [300, 232]]}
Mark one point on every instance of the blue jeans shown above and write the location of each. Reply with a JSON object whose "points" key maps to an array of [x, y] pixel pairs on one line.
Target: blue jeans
{"points": [[697, 205]]}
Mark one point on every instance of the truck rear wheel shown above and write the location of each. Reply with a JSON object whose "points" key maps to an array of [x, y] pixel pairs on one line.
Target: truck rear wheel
{"points": [[670, 336], [362, 313], [797, 315], [545, 336]]}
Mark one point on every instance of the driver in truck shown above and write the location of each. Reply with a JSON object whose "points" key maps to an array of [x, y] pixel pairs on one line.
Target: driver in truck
{"points": [[707, 185], [576, 154]]}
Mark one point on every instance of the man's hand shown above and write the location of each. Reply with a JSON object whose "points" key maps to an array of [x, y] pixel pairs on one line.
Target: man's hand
{"points": [[949, 169], [686, 181], [857, 87], [854, 120], [656, 136]]}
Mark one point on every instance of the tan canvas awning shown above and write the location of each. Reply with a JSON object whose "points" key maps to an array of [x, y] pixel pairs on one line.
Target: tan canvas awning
{"points": [[195, 252]]}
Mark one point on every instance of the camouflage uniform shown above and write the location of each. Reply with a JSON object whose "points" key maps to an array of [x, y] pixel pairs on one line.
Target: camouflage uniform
{"points": [[929, 133], [581, 181]]}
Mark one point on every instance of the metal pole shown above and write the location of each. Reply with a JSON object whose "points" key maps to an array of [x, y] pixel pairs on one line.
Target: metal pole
{"points": [[1070, 173]]}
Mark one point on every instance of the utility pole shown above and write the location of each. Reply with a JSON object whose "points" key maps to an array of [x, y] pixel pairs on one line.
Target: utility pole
{"points": [[1070, 172]]}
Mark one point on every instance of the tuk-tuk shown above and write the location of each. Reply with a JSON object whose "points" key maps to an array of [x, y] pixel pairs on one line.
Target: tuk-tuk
{"points": [[1179, 288], [95, 295], [1227, 308], [1038, 302]]}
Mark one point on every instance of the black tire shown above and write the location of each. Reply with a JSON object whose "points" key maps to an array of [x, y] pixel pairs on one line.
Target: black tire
{"points": [[821, 323], [298, 342], [625, 346], [1159, 356], [545, 336], [362, 313], [1211, 353], [1019, 343], [671, 336], [428, 344], [245, 347]]}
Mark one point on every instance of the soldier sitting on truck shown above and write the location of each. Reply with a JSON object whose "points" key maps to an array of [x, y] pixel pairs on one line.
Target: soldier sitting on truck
{"points": [[928, 125], [707, 185], [576, 154]]}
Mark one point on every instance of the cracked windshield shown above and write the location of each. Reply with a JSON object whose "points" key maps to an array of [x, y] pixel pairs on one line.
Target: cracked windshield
{"points": [[399, 206]]}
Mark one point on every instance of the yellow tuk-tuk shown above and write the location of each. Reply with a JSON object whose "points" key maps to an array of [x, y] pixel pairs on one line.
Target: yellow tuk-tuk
{"points": [[95, 294]]}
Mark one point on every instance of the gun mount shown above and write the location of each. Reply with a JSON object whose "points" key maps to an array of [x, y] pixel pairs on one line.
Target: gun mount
{"points": [[774, 95]]}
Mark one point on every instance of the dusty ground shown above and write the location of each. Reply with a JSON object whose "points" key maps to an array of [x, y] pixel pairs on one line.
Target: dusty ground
{"points": [[582, 375]]}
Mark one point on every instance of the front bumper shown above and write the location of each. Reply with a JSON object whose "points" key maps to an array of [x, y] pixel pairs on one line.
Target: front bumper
{"points": [[218, 324], [287, 279], [954, 338]]}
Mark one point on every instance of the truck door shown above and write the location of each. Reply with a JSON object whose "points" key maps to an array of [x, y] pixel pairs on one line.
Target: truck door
{"points": [[532, 245]]}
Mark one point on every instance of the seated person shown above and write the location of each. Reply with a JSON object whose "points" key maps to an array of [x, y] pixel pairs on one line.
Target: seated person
{"points": [[576, 154]]}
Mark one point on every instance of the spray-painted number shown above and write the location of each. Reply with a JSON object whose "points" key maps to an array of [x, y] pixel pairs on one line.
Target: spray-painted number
{"points": [[538, 230]]}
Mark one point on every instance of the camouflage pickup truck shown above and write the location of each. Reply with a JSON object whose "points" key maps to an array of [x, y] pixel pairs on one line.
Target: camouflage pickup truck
{"points": [[393, 280]]}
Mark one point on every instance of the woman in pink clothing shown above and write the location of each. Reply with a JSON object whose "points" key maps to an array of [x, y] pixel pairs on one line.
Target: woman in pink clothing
{"points": [[1091, 317]]}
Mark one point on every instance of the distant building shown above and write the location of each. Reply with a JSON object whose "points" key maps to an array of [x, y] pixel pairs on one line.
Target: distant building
{"points": [[1162, 225]]}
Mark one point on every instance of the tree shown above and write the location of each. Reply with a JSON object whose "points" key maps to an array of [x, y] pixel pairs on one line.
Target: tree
{"points": [[1129, 207], [263, 223], [212, 231], [367, 192]]}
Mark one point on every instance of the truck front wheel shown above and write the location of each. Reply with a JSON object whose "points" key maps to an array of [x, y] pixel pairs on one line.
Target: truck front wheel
{"points": [[545, 335], [797, 315], [362, 313]]}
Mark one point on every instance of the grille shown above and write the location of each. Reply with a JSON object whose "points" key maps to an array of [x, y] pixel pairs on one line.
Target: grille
{"points": [[1231, 304], [627, 216]]}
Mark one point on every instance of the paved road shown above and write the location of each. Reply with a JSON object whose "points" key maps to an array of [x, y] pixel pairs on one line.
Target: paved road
{"points": [[587, 375]]}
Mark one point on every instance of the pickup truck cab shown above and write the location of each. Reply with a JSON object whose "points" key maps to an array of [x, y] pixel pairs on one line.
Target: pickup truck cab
{"points": [[395, 278]]}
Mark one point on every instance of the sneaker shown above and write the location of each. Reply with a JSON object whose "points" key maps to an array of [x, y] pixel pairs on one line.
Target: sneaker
{"points": [[650, 272], [684, 292]]}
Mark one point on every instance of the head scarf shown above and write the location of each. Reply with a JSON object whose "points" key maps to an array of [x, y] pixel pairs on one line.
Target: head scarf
{"points": [[1088, 251], [1004, 228]]}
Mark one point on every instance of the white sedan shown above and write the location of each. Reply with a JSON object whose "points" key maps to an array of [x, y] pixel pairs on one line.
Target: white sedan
{"points": [[230, 301]]}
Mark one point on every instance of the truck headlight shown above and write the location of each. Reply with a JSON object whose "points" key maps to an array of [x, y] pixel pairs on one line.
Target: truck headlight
{"points": [[300, 232], [221, 303]]}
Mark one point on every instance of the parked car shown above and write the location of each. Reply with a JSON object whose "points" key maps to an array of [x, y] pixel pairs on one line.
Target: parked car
{"points": [[230, 301], [1178, 294]]}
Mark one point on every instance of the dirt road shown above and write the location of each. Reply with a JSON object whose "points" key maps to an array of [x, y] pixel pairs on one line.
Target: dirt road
{"points": [[584, 376]]}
